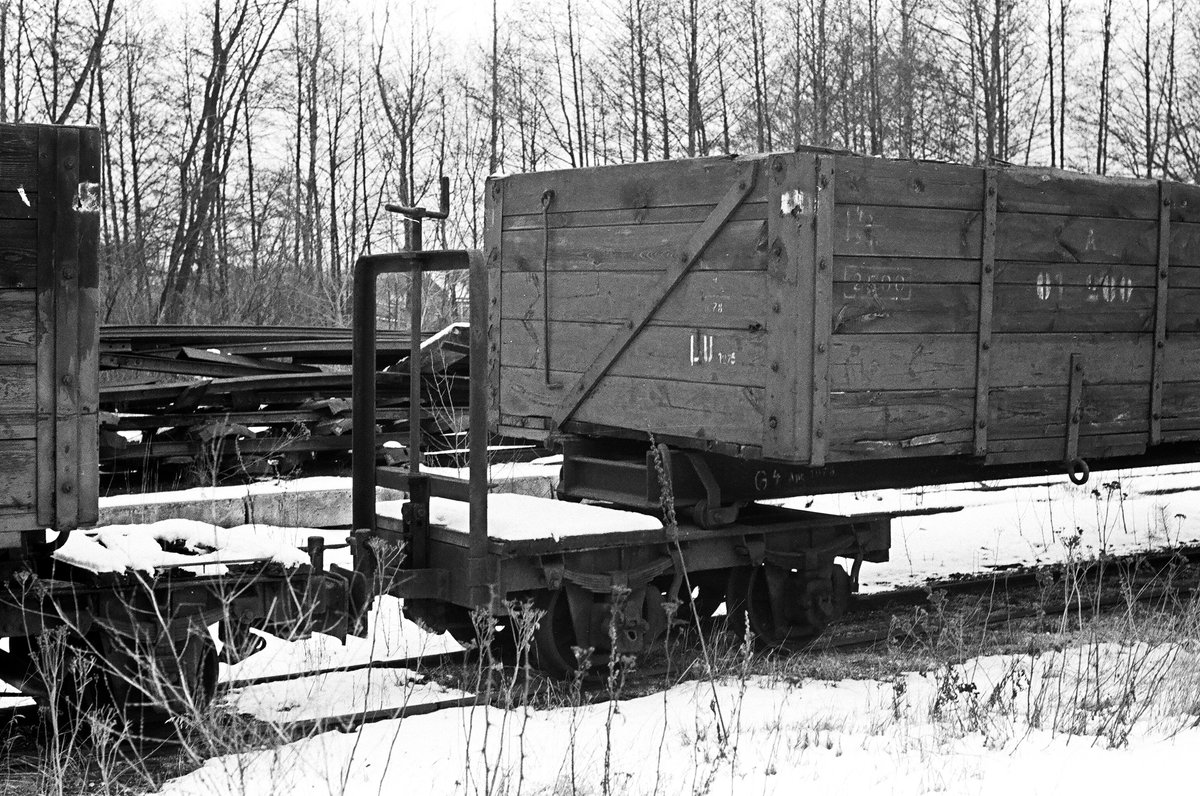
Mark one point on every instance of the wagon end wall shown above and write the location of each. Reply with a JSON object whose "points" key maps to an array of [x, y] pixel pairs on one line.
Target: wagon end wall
{"points": [[49, 223]]}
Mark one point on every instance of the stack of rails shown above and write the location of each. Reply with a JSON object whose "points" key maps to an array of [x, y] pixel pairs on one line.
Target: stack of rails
{"points": [[255, 400]]}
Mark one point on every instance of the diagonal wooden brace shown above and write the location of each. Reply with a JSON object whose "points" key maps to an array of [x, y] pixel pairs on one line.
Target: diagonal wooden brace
{"points": [[642, 314]]}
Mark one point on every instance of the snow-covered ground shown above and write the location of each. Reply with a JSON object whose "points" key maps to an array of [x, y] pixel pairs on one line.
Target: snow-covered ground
{"points": [[1055, 723], [1024, 521], [1100, 719], [994, 725]]}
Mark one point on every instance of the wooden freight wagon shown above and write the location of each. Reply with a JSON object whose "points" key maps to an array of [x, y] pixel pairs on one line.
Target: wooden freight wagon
{"points": [[812, 313], [49, 222]]}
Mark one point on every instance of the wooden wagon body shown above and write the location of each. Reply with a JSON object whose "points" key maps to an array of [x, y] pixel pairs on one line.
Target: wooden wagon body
{"points": [[816, 308], [49, 222]]}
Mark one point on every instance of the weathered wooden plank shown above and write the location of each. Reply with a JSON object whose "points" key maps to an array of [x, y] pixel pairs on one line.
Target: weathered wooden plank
{"points": [[630, 216], [18, 254], [698, 353], [871, 230], [946, 361], [18, 390], [1049, 450], [18, 156], [906, 183], [18, 463], [1183, 310], [740, 245], [1185, 244], [695, 181], [14, 205], [1018, 308], [883, 424], [67, 309], [1053, 191], [720, 299], [1184, 276], [18, 329], [1186, 204], [894, 274], [1181, 411], [47, 183], [699, 411], [788, 294], [1023, 412], [1085, 239]]}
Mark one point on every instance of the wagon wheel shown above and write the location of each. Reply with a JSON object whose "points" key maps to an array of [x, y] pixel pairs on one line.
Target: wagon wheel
{"points": [[554, 640], [803, 608], [147, 683], [748, 600], [444, 617]]}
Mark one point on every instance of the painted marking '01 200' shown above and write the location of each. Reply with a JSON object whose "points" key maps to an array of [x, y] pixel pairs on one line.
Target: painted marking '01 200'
{"points": [[1099, 287]]}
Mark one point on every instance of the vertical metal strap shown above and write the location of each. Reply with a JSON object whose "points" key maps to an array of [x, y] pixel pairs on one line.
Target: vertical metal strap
{"points": [[493, 237], [987, 278], [47, 290], [1074, 408], [1160, 311], [822, 309], [66, 334], [547, 198]]}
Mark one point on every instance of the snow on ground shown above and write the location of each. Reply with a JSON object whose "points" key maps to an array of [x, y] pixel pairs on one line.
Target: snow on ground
{"points": [[335, 694], [1055, 723], [389, 637], [1024, 521]]}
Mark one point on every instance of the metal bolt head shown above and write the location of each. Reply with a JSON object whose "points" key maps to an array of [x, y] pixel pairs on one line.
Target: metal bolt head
{"points": [[1162, 274], [820, 348], [819, 433], [821, 265], [1160, 344], [777, 250], [775, 307], [991, 190], [773, 422], [66, 488], [985, 345], [742, 185], [982, 424], [774, 367], [777, 165], [987, 269]]}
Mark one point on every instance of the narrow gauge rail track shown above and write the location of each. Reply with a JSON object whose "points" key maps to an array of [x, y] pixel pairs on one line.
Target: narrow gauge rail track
{"points": [[1152, 567]]}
